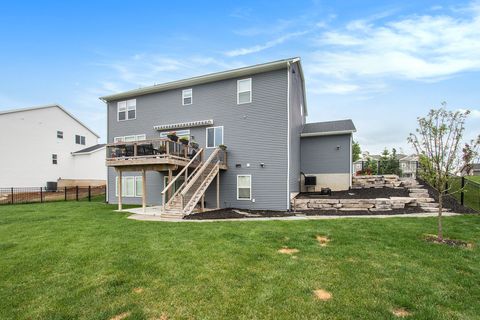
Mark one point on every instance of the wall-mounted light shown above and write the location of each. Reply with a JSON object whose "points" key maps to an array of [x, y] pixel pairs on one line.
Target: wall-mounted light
{"points": [[262, 164], [338, 147], [238, 165]]}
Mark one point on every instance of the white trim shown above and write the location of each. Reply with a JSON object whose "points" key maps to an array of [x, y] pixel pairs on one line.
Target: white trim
{"points": [[184, 96], [136, 137], [250, 186], [249, 90], [214, 141], [198, 123], [327, 133], [351, 159], [288, 136]]}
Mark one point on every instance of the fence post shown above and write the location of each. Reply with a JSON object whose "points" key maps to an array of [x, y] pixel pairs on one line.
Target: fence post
{"points": [[89, 193], [65, 193], [76, 192], [462, 195], [12, 195], [41, 194], [446, 187]]}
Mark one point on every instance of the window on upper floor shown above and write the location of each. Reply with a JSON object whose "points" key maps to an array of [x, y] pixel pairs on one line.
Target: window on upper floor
{"points": [[59, 134], [187, 97], [244, 91], [79, 139], [54, 159], [127, 110], [214, 137]]}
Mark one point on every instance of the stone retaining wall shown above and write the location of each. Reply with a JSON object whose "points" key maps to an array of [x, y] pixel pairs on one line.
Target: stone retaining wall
{"points": [[378, 204], [376, 181]]}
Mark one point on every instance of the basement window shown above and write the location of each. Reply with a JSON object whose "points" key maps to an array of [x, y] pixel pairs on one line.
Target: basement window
{"points": [[244, 187]]}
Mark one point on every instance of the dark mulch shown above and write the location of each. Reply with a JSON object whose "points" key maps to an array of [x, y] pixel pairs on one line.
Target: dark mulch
{"points": [[449, 242], [406, 210], [370, 193], [448, 201], [228, 213]]}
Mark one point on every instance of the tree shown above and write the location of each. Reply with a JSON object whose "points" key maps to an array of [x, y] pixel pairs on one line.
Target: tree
{"points": [[356, 151], [438, 143]]}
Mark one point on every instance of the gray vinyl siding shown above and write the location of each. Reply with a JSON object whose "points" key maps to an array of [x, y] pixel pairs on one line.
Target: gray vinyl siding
{"points": [[254, 133], [297, 119], [320, 155]]}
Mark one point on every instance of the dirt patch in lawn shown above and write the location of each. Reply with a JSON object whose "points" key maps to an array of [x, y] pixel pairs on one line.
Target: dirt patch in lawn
{"points": [[322, 240], [121, 316], [449, 242], [164, 316], [322, 295], [288, 251], [138, 290], [401, 312], [367, 193]]}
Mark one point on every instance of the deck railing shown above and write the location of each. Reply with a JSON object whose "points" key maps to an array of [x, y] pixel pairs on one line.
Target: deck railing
{"points": [[152, 148]]}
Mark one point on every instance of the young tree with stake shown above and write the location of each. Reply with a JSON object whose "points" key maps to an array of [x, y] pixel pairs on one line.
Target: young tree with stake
{"points": [[438, 141]]}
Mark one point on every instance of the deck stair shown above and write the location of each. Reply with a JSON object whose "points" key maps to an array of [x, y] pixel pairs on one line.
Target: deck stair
{"points": [[191, 192]]}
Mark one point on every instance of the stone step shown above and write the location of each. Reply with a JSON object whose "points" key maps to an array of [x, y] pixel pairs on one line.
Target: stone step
{"points": [[414, 190], [428, 204], [423, 200]]}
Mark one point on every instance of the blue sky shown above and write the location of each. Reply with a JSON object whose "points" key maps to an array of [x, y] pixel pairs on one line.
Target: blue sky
{"points": [[381, 64]]}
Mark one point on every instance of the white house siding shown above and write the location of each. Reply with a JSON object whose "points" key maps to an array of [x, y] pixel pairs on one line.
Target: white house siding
{"points": [[29, 138]]}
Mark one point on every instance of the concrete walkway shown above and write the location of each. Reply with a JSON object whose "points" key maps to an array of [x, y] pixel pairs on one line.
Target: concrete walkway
{"points": [[299, 217]]}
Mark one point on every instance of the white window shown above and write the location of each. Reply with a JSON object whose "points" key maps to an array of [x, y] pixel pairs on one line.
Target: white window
{"points": [[180, 134], [187, 97], [126, 110], [79, 139], [131, 186], [59, 134], [244, 91], [132, 138], [54, 159], [244, 187], [214, 137]]}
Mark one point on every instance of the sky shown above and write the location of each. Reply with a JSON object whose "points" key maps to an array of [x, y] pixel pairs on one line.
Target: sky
{"points": [[380, 63]]}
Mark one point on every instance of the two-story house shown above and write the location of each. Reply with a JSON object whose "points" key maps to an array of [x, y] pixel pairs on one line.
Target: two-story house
{"points": [[47, 143], [258, 112]]}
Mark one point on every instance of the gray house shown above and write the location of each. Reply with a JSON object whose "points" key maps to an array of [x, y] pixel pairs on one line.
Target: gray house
{"points": [[258, 112]]}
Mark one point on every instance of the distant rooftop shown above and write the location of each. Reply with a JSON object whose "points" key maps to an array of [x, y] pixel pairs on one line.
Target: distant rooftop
{"points": [[90, 149], [328, 128]]}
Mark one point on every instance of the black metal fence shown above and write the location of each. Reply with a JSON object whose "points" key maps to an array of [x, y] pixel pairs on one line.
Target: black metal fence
{"points": [[402, 169], [466, 191], [42, 194]]}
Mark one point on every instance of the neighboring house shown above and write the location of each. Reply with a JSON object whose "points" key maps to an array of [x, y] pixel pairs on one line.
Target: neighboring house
{"points": [[471, 170], [408, 163], [47, 143], [259, 112]]}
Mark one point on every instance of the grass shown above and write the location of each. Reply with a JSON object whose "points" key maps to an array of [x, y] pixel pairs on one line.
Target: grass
{"points": [[81, 260], [474, 178]]}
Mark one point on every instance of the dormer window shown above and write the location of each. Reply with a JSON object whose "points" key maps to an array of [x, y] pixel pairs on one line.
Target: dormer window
{"points": [[187, 97]]}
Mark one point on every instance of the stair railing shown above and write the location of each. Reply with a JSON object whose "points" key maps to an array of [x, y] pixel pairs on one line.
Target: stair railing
{"points": [[215, 170], [183, 171]]}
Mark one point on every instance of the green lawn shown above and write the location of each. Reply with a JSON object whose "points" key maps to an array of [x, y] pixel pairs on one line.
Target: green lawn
{"points": [[471, 191], [82, 260], [474, 178]]}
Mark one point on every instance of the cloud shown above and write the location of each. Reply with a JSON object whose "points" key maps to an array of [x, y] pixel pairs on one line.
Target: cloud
{"points": [[418, 47], [266, 45]]}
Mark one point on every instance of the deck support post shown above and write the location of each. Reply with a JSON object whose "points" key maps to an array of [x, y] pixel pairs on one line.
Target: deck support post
{"points": [[218, 190], [203, 202], [119, 188], [144, 190], [170, 177]]}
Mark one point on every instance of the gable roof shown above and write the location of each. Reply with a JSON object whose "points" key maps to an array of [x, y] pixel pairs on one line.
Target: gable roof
{"points": [[328, 128], [90, 149], [211, 77], [46, 107]]}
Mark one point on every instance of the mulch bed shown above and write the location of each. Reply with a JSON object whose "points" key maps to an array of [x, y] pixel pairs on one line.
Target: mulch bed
{"points": [[449, 242], [370, 193], [448, 201], [229, 213]]}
